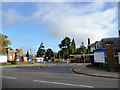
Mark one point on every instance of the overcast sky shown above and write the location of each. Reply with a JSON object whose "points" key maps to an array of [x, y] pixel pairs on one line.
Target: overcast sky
{"points": [[27, 24]]}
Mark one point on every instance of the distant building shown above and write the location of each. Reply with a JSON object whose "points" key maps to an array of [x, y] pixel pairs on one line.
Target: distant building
{"points": [[13, 55], [55, 54], [73, 44], [91, 47]]}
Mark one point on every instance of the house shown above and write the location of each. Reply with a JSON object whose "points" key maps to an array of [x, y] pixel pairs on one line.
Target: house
{"points": [[111, 48], [91, 47], [13, 55]]}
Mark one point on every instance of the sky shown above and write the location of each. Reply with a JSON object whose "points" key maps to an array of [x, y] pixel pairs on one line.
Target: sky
{"points": [[28, 24]]}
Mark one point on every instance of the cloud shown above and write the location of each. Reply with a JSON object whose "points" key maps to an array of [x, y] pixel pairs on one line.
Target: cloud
{"points": [[76, 20], [61, 1]]}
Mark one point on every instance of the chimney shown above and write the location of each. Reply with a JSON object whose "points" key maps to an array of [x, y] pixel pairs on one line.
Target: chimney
{"points": [[88, 41], [119, 33]]}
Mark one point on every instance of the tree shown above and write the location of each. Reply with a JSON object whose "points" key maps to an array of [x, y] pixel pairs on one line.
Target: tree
{"points": [[27, 55], [81, 50], [41, 51], [49, 53], [4, 42], [20, 53], [66, 48], [65, 43]]}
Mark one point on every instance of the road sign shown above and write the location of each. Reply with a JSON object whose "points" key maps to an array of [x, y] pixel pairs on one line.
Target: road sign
{"points": [[30, 57], [46, 58]]}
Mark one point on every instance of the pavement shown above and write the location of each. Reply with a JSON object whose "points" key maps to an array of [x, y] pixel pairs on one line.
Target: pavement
{"points": [[84, 70]]}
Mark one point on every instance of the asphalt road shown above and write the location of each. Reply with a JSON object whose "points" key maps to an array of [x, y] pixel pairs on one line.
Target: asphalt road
{"points": [[57, 75]]}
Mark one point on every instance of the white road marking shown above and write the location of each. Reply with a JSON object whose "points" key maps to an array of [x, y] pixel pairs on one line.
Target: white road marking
{"points": [[9, 77], [16, 69], [64, 84]]}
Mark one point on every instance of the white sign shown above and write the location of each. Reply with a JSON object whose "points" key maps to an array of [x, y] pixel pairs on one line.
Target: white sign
{"points": [[119, 57], [39, 59], [3, 58], [99, 57]]}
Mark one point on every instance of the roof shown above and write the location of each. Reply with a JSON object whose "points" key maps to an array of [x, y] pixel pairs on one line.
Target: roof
{"points": [[114, 40], [93, 44]]}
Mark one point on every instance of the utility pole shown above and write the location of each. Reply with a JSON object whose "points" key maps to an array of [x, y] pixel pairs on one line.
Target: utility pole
{"points": [[30, 51]]}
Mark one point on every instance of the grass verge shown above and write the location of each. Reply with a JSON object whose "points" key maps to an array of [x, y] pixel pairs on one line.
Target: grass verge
{"points": [[18, 63], [96, 67]]}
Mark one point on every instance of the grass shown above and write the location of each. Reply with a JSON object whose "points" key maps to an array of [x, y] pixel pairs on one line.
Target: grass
{"points": [[18, 63], [96, 67], [2, 64], [25, 63]]}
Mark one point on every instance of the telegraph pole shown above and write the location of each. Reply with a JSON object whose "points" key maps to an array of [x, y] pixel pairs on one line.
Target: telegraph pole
{"points": [[30, 51]]}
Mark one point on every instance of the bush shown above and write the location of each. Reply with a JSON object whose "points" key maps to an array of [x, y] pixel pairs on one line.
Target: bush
{"points": [[13, 62], [68, 60]]}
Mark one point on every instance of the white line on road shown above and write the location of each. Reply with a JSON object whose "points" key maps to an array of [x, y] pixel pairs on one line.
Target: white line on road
{"points": [[64, 84], [9, 77]]}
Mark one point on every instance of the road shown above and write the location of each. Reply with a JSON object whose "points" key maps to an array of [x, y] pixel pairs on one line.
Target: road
{"points": [[57, 75]]}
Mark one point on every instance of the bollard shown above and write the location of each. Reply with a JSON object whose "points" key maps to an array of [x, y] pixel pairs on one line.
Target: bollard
{"points": [[44, 63]]}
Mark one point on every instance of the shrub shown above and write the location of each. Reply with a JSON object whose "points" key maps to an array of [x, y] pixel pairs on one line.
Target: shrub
{"points": [[13, 62]]}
